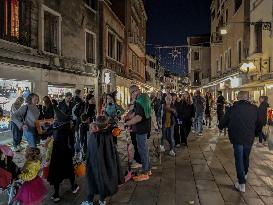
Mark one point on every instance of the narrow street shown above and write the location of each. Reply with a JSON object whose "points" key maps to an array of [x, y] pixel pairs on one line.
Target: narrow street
{"points": [[203, 173]]}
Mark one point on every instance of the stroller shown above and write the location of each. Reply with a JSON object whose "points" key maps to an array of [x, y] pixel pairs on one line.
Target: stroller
{"points": [[8, 173]]}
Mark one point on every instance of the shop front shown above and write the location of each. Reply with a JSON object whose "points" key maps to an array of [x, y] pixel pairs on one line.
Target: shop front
{"points": [[57, 92], [10, 90], [122, 86]]}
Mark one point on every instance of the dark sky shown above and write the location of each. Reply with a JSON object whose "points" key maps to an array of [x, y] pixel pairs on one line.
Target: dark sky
{"points": [[171, 21]]}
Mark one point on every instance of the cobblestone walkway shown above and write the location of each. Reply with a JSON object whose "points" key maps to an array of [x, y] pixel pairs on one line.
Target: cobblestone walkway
{"points": [[203, 173]]}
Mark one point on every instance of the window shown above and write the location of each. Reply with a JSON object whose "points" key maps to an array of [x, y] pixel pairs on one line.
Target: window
{"points": [[90, 46], [91, 3], [217, 65], [221, 63], [51, 31], [196, 77], [239, 50], [111, 45], [229, 58], [237, 4], [226, 60], [15, 21], [196, 56], [259, 37], [226, 16], [119, 51]]}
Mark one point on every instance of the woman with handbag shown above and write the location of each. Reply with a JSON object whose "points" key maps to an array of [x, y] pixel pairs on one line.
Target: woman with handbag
{"points": [[25, 119], [61, 160], [17, 133]]}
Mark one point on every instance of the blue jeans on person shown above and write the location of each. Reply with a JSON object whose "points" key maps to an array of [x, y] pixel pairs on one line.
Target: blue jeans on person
{"points": [[30, 135], [198, 122], [168, 134], [17, 134], [241, 154], [143, 149]]}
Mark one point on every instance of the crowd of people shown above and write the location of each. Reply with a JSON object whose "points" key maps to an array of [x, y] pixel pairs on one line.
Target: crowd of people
{"points": [[76, 126]]}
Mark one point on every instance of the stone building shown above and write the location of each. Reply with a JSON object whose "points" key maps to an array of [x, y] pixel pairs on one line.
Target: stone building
{"points": [[199, 64], [45, 49], [150, 69]]}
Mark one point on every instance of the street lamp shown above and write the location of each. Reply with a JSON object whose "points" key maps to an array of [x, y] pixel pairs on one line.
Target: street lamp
{"points": [[248, 67]]}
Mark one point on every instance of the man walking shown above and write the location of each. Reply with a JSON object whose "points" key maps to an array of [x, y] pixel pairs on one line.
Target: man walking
{"points": [[199, 105], [141, 125], [220, 106], [241, 120]]}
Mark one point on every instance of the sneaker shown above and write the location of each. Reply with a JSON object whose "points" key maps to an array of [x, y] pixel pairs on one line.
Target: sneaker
{"points": [[102, 202], [150, 173], [136, 165], [193, 131], [75, 189], [141, 177], [172, 153], [55, 199], [162, 149], [240, 187], [87, 203]]}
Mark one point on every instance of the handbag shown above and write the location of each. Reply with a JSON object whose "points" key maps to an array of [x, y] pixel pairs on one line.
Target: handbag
{"points": [[5, 178], [80, 169]]}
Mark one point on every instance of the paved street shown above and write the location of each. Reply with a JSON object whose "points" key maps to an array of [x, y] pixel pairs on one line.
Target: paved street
{"points": [[202, 174]]}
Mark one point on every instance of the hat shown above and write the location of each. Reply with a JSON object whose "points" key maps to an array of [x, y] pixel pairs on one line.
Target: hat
{"points": [[6, 150], [60, 116]]}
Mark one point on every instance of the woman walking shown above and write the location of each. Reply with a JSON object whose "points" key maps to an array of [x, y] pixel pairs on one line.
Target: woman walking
{"points": [[26, 117], [17, 133], [262, 114], [187, 116]]}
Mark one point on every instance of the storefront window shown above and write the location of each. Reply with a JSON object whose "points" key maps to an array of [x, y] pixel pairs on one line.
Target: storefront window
{"points": [[9, 91], [58, 92]]}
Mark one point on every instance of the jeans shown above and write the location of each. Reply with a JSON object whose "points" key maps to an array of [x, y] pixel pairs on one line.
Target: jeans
{"points": [[143, 149], [16, 133], [168, 133], [198, 122], [137, 157], [241, 154], [30, 136]]}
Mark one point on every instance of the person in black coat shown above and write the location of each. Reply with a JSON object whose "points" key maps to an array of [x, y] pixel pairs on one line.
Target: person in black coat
{"points": [[187, 114], [178, 107], [220, 106], [262, 116], [242, 122], [66, 105], [61, 163], [102, 163], [47, 109]]}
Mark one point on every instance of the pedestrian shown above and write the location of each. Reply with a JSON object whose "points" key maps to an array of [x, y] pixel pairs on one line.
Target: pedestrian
{"points": [[141, 123], [187, 114], [17, 133], [83, 131], [47, 109], [26, 117], [199, 107], [209, 104], [168, 122], [103, 171], [178, 103], [220, 106], [136, 159], [262, 117], [33, 190], [78, 108], [61, 163], [1, 112], [156, 104], [66, 104], [90, 107], [113, 111], [241, 120]]}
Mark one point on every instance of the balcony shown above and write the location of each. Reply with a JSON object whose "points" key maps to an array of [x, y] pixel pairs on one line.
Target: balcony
{"points": [[137, 44], [115, 66]]}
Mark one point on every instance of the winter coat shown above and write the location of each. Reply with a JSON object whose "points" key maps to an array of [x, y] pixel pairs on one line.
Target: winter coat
{"points": [[31, 114], [173, 115], [262, 110], [187, 113], [199, 103], [48, 112], [220, 105], [242, 123], [66, 109]]}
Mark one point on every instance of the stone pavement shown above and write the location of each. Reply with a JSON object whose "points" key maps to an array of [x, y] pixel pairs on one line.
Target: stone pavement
{"points": [[203, 173]]}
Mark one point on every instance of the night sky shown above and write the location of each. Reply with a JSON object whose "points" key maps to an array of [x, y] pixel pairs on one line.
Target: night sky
{"points": [[170, 22]]}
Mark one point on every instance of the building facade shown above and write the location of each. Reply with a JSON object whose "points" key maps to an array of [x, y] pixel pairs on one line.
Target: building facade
{"points": [[199, 60], [150, 72], [45, 49]]}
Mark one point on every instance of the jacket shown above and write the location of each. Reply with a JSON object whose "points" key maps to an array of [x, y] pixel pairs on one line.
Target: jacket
{"points": [[173, 116], [262, 110], [220, 104], [199, 103], [187, 113], [242, 122], [31, 114], [48, 112], [30, 171], [66, 109]]}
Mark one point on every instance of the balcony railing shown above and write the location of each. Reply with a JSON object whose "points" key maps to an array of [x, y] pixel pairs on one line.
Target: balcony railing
{"points": [[135, 39], [115, 66]]}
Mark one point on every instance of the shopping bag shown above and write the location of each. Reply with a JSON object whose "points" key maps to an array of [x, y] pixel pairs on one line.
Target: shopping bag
{"points": [[5, 178], [80, 169]]}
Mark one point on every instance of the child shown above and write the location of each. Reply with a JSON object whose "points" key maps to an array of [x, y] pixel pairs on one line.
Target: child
{"points": [[84, 128], [168, 123], [33, 189], [103, 165]]}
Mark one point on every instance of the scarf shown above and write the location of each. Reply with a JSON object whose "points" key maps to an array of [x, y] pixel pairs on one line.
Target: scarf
{"points": [[145, 102]]}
